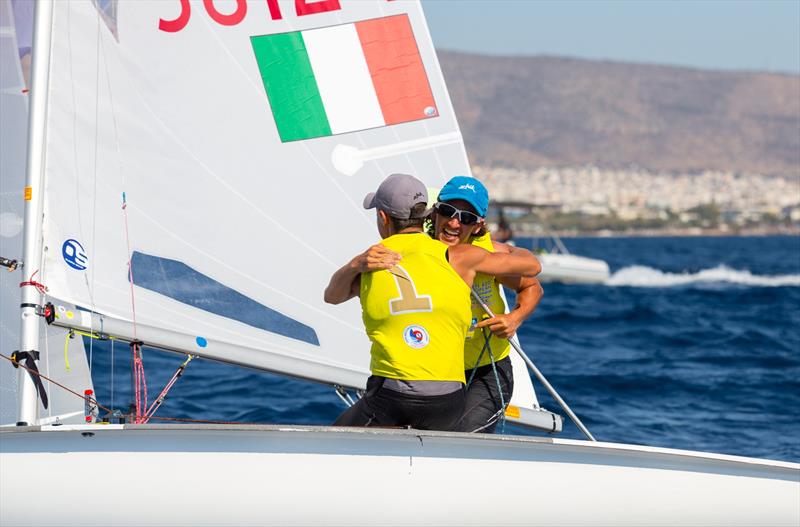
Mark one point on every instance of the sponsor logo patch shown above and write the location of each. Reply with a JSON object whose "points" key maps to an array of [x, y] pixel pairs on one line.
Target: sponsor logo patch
{"points": [[74, 255], [416, 336]]}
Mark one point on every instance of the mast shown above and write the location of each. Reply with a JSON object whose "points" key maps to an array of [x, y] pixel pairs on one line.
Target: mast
{"points": [[34, 201]]}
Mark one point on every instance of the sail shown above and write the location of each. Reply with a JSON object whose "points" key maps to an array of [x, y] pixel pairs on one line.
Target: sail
{"points": [[63, 359], [224, 148]]}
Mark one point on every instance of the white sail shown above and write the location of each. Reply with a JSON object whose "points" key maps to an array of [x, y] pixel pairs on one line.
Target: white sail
{"points": [[62, 358], [234, 231]]}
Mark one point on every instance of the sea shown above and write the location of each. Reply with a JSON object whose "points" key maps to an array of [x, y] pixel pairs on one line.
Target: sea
{"points": [[693, 343]]}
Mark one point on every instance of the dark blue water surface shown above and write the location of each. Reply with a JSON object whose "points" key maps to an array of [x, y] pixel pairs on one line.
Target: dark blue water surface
{"points": [[702, 353]]}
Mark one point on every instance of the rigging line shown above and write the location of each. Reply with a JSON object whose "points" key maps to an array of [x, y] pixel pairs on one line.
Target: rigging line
{"points": [[48, 379], [66, 351], [163, 395], [499, 388], [140, 383], [74, 121]]}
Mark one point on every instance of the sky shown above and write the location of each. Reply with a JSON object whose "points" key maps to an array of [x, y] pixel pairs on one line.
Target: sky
{"points": [[747, 35]]}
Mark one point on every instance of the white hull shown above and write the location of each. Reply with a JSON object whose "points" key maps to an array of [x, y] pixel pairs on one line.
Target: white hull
{"points": [[572, 269], [279, 475]]}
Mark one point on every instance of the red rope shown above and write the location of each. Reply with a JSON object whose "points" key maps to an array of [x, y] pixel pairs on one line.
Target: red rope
{"points": [[38, 285], [139, 380]]}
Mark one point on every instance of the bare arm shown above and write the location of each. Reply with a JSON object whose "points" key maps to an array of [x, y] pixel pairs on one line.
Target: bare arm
{"points": [[529, 294], [468, 260], [520, 262], [345, 282]]}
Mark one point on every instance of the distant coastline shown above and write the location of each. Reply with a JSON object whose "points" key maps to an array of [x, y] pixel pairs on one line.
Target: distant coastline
{"points": [[664, 233]]}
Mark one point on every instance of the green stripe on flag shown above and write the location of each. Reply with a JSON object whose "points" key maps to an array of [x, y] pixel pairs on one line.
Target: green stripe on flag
{"points": [[291, 87]]}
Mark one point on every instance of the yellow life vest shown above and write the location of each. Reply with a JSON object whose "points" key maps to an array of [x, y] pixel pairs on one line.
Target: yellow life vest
{"points": [[417, 313], [489, 290]]}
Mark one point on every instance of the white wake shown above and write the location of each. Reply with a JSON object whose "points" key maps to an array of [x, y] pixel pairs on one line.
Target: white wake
{"points": [[642, 276]]}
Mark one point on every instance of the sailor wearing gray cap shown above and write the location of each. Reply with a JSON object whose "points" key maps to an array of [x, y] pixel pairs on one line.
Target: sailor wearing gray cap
{"points": [[399, 196], [415, 300]]}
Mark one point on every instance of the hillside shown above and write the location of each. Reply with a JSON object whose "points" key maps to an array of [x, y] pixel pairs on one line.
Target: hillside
{"points": [[534, 111]]}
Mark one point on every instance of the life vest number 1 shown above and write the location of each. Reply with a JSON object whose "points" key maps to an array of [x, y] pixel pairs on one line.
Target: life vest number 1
{"points": [[409, 301]]}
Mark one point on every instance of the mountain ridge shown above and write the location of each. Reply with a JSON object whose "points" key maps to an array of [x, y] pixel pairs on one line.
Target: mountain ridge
{"points": [[528, 112]]}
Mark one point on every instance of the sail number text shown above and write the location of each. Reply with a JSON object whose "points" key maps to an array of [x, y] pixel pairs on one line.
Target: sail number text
{"points": [[301, 7]]}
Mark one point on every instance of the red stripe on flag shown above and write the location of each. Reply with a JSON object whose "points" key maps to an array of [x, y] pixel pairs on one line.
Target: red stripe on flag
{"points": [[398, 75]]}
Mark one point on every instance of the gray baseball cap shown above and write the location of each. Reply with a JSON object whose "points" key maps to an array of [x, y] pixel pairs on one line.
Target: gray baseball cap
{"points": [[397, 195]]}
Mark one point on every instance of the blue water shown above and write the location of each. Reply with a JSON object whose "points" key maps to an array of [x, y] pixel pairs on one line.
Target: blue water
{"points": [[695, 346]]}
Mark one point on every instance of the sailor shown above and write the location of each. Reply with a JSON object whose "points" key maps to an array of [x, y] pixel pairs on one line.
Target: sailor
{"points": [[415, 300], [459, 218]]}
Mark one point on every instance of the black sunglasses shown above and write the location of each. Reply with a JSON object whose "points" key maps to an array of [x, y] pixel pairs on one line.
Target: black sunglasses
{"points": [[465, 217]]}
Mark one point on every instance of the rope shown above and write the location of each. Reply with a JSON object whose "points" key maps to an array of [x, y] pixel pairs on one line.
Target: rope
{"points": [[71, 335], [163, 395], [92, 400], [501, 413], [140, 383], [38, 285], [139, 380], [66, 351]]}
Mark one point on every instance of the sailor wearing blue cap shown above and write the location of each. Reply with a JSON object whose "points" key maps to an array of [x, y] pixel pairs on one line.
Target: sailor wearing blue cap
{"points": [[458, 219]]}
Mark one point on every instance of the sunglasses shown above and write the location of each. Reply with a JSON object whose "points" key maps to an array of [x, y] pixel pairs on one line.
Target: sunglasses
{"points": [[465, 217]]}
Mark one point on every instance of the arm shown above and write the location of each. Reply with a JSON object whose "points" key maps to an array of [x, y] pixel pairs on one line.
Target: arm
{"points": [[345, 282], [517, 262], [529, 293]]}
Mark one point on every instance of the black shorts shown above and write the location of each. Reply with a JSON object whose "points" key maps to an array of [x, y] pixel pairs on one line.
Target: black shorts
{"points": [[483, 407], [383, 407]]}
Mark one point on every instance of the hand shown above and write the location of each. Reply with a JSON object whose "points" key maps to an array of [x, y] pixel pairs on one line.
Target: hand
{"points": [[376, 258], [502, 326]]}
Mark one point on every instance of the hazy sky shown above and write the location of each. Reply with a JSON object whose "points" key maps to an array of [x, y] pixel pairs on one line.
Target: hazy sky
{"points": [[759, 35]]}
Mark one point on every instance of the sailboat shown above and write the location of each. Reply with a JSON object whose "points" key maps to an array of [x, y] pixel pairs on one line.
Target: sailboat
{"points": [[186, 176], [560, 265]]}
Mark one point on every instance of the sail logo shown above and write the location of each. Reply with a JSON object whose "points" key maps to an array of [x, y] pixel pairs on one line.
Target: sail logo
{"points": [[416, 336], [74, 255], [467, 186]]}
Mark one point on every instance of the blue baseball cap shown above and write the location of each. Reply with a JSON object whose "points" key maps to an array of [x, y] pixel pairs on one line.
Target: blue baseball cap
{"points": [[470, 190]]}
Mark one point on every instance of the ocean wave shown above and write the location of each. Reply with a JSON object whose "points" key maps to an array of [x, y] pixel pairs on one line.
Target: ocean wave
{"points": [[643, 276]]}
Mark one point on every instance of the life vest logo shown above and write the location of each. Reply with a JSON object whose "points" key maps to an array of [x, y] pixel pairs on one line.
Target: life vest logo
{"points": [[74, 255], [416, 336]]}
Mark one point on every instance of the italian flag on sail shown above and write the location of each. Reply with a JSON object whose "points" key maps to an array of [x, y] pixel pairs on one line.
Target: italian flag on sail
{"points": [[344, 78]]}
